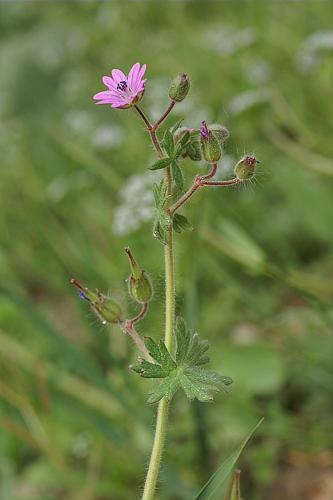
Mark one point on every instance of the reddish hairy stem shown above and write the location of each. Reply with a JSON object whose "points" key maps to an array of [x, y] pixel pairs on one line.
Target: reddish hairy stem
{"points": [[152, 132], [165, 114], [201, 181], [140, 315], [129, 328], [183, 199], [229, 182], [144, 117], [211, 173]]}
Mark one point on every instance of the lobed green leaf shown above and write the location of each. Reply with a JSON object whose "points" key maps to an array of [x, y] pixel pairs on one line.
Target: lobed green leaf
{"points": [[185, 371]]}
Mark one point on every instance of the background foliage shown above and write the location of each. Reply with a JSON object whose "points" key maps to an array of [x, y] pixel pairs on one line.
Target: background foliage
{"points": [[255, 277]]}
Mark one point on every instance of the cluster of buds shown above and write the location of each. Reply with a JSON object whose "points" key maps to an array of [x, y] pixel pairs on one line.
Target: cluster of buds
{"points": [[107, 309], [205, 143]]}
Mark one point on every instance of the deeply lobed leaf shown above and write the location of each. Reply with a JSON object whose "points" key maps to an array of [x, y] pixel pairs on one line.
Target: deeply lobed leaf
{"points": [[185, 371]]}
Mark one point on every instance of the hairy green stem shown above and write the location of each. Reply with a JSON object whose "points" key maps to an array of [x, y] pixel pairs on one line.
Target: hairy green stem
{"points": [[156, 454], [169, 291], [163, 406]]}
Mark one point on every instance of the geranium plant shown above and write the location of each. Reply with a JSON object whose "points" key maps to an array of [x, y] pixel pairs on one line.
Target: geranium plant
{"points": [[178, 360]]}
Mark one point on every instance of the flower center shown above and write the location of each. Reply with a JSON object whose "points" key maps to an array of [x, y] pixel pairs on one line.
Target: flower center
{"points": [[122, 85]]}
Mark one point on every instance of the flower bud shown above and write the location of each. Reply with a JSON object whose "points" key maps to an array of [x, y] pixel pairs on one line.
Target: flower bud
{"points": [[245, 168], [107, 309], [139, 284], [220, 132], [210, 146], [179, 88]]}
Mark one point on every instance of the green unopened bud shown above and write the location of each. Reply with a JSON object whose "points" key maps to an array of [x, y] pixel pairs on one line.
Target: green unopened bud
{"points": [[179, 88], [140, 287], [107, 309], [220, 132], [245, 168], [210, 146]]}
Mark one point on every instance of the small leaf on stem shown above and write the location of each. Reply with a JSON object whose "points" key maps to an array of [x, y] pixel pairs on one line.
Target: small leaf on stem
{"points": [[181, 223], [159, 164]]}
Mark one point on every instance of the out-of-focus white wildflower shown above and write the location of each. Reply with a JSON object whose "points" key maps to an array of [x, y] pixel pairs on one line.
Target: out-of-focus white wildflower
{"points": [[244, 334], [136, 204], [312, 48], [79, 121], [82, 124], [72, 84], [245, 100], [107, 136], [81, 444], [227, 40], [60, 187], [257, 72]]}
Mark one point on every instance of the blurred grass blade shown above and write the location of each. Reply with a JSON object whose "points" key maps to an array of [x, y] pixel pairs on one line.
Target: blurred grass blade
{"points": [[106, 403], [234, 492], [84, 156], [248, 250], [216, 485], [71, 357], [234, 242], [297, 151]]}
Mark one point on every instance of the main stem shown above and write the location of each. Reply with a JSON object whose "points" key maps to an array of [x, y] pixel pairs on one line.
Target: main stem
{"points": [[163, 406]]}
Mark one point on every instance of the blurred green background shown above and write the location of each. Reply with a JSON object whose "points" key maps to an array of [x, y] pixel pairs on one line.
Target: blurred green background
{"points": [[255, 277]]}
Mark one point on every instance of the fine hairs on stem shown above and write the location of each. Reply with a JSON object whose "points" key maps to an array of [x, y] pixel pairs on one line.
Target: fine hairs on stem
{"points": [[177, 360]]}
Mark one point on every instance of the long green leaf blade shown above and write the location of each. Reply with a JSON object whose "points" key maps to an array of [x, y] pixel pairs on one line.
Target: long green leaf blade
{"points": [[216, 485]]}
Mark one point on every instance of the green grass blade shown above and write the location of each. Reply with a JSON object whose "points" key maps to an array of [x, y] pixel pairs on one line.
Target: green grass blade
{"points": [[217, 484]]}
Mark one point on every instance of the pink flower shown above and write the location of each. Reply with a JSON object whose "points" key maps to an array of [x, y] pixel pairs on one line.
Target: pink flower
{"points": [[123, 91]]}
